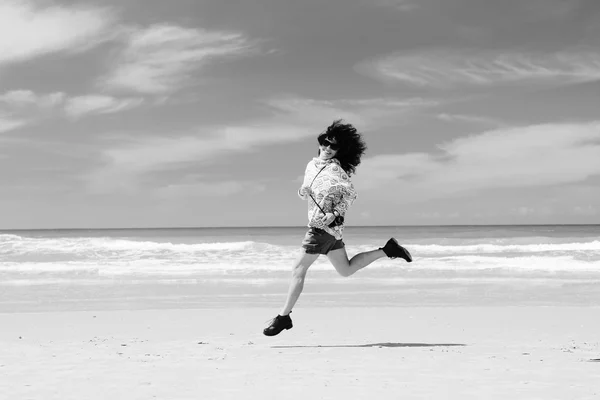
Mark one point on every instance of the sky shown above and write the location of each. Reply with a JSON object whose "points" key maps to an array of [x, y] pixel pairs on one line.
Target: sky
{"points": [[204, 113]]}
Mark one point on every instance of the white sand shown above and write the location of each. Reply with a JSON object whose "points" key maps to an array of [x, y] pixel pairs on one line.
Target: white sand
{"points": [[331, 353]]}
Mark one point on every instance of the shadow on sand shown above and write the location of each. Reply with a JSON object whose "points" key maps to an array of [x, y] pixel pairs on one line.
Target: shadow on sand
{"points": [[375, 345]]}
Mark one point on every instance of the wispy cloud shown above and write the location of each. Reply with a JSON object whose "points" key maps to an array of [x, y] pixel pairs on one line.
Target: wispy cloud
{"points": [[447, 69], [200, 187], [22, 107], [539, 155], [135, 157], [8, 124], [471, 119], [292, 119], [28, 29], [381, 112], [366, 113], [525, 211], [401, 5], [79, 106], [588, 210], [160, 59], [17, 99]]}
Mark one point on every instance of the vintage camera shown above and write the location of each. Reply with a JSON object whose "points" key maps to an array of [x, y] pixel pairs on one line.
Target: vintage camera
{"points": [[337, 221]]}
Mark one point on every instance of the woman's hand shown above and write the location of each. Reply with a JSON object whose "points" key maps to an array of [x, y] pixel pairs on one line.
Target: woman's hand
{"points": [[305, 191], [327, 219]]}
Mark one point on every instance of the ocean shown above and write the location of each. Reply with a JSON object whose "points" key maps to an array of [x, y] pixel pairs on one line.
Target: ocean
{"points": [[53, 270]]}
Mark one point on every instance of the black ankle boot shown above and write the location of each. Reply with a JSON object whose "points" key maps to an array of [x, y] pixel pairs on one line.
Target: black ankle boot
{"points": [[393, 250], [278, 324]]}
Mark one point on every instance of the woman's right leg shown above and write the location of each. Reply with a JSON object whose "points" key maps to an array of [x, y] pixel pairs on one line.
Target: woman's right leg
{"points": [[345, 267], [299, 270]]}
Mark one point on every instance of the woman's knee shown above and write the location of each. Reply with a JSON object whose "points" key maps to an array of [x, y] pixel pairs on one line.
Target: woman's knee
{"points": [[340, 262], [343, 271], [300, 267], [299, 271], [341, 266]]}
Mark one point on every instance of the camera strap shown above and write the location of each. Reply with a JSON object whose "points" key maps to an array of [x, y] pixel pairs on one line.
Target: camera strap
{"points": [[313, 181]]}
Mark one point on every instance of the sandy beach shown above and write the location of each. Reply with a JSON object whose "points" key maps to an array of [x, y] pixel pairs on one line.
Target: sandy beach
{"points": [[503, 313], [493, 352]]}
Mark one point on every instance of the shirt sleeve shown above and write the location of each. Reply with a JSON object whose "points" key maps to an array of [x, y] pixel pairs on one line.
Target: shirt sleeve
{"points": [[301, 196], [306, 172], [345, 193], [348, 196]]}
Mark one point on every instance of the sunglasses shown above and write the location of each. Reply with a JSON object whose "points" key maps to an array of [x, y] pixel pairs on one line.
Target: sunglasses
{"points": [[326, 143]]}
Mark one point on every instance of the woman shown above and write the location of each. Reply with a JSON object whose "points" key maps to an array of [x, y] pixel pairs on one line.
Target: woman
{"points": [[330, 193]]}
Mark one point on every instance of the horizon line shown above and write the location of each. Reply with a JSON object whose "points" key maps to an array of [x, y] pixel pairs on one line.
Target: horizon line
{"points": [[284, 226]]}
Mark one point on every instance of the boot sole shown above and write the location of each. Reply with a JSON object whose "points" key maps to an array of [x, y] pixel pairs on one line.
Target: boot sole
{"points": [[407, 257], [275, 334]]}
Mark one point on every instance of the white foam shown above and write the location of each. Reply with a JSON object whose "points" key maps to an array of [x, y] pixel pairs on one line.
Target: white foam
{"points": [[226, 269], [434, 249], [108, 258], [114, 248], [47, 267], [69, 245], [514, 264]]}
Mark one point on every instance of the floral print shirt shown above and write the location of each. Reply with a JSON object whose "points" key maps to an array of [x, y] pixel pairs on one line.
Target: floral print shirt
{"points": [[332, 189]]}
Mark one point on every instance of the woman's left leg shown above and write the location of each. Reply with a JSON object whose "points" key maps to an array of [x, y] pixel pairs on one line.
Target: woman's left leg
{"points": [[345, 267], [299, 270]]}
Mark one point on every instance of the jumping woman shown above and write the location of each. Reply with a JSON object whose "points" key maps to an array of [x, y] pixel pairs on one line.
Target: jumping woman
{"points": [[330, 193]]}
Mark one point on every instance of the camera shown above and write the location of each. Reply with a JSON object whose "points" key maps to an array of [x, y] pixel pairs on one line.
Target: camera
{"points": [[337, 221]]}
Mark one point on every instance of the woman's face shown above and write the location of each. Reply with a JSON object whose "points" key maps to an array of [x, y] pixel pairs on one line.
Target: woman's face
{"points": [[328, 148]]}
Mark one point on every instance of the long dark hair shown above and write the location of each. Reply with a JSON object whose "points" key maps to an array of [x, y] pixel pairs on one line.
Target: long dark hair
{"points": [[352, 146]]}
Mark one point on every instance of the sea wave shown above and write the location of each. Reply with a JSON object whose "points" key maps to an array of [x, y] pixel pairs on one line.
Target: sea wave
{"points": [[18, 245], [116, 258], [508, 248], [105, 247], [212, 258], [226, 268]]}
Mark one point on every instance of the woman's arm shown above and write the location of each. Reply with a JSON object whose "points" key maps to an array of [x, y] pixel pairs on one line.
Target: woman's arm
{"points": [[348, 195], [304, 190], [344, 193]]}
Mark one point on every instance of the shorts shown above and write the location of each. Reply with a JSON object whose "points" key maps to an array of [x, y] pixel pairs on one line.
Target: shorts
{"points": [[317, 241]]}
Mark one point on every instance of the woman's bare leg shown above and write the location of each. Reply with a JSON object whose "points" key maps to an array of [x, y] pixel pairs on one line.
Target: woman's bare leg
{"points": [[299, 270], [345, 267]]}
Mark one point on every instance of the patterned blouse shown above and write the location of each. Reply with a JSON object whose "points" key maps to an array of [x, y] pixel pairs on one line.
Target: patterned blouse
{"points": [[332, 189]]}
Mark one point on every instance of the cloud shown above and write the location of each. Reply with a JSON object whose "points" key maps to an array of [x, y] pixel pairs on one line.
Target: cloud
{"points": [[473, 119], [525, 211], [23, 107], [401, 5], [28, 31], [291, 120], [307, 111], [199, 188], [161, 58], [8, 124], [138, 156], [522, 157], [588, 210], [80, 106], [448, 69], [436, 215], [366, 113], [18, 99], [125, 165]]}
